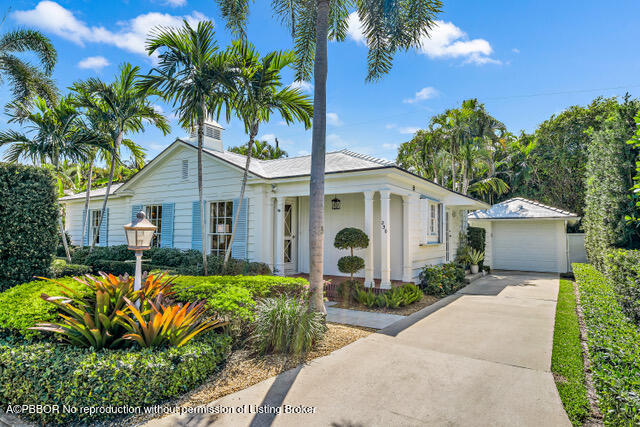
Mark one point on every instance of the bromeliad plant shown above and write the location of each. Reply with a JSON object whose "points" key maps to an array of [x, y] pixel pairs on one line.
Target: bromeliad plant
{"points": [[98, 318], [170, 324]]}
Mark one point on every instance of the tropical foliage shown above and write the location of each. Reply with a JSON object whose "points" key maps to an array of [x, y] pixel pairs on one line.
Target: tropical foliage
{"points": [[25, 79], [261, 150]]}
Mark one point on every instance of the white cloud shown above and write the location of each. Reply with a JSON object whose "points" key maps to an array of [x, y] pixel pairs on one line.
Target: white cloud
{"points": [[422, 95], [336, 142], [354, 30], [333, 119], [390, 146], [95, 63], [131, 36], [269, 137], [301, 84], [391, 126], [445, 40], [303, 153], [515, 50], [408, 130], [175, 3]]}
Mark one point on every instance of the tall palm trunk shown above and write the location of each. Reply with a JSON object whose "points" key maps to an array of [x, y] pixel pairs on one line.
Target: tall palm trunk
{"points": [[453, 167], [200, 196], [85, 224], [108, 190], [252, 135], [318, 149]]}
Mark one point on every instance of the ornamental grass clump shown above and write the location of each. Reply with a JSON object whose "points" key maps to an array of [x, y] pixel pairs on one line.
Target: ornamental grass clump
{"points": [[286, 325]]}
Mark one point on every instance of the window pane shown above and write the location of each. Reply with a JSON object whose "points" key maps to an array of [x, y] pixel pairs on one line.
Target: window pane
{"points": [[229, 209]]}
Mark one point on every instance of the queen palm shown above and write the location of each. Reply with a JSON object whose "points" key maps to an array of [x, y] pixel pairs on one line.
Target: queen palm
{"points": [[195, 77], [388, 26], [52, 133], [257, 94], [121, 107], [28, 80]]}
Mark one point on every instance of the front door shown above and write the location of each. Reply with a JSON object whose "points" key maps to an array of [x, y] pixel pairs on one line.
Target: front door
{"points": [[290, 236], [447, 237]]}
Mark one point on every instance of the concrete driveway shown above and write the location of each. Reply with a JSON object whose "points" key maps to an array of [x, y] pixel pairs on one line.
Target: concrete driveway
{"points": [[480, 357]]}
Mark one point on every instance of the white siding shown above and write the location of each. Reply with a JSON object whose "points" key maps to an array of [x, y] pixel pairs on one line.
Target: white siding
{"points": [[165, 185]]}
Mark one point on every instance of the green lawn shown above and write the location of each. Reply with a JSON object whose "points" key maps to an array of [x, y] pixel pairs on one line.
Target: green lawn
{"points": [[566, 361]]}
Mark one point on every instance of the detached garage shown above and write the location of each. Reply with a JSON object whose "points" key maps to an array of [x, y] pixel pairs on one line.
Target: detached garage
{"points": [[525, 235]]}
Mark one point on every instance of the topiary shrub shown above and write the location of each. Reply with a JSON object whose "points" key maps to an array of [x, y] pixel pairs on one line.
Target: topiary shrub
{"points": [[351, 238], [28, 223]]}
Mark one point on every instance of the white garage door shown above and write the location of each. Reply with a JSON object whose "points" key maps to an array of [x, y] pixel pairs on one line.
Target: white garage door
{"points": [[526, 245]]}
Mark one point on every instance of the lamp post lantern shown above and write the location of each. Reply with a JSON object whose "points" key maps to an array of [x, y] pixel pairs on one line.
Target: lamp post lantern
{"points": [[139, 234]]}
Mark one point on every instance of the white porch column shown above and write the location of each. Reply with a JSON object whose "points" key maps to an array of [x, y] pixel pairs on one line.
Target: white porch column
{"points": [[385, 239], [368, 229], [267, 235], [408, 205], [279, 237]]}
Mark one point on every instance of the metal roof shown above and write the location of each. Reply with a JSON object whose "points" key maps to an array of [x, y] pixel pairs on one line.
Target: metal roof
{"points": [[521, 208]]}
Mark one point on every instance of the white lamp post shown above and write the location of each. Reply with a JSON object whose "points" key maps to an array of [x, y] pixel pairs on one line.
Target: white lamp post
{"points": [[139, 234]]}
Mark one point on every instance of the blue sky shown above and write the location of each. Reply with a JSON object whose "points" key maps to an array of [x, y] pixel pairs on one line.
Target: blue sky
{"points": [[526, 60]]}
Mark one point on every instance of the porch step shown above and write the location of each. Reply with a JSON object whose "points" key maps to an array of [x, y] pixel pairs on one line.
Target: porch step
{"points": [[471, 277]]}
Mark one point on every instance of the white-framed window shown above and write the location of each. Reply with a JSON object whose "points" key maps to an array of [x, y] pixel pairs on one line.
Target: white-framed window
{"points": [[94, 225], [435, 222], [154, 215], [220, 226]]}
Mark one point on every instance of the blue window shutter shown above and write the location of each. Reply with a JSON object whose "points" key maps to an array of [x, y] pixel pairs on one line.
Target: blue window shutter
{"points": [[85, 238], [104, 229], [196, 231], [134, 211], [166, 228], [239, 248]]}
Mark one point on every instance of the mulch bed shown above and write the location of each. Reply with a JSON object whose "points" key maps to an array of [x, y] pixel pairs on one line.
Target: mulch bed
{"points": [[426, 300]]}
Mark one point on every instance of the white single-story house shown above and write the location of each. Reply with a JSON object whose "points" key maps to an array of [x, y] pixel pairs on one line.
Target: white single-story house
{"points": [[525, 235], [410, 221]]}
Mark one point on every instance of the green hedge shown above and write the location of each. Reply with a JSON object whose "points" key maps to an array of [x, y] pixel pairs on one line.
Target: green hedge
{"points": [[59, 268], [622, 267], [441, 280], [21, 306], [614, 348], [609, 176], [119, 259], [235, 296], [28, 223], [55, 374]]}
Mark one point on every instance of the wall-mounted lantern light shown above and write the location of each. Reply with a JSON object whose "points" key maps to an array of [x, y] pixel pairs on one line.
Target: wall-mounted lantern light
{"points": [[335, 204]]}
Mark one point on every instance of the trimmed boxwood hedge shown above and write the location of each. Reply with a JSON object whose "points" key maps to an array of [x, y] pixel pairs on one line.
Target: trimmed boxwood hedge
{"points": [[614, 348], [622, 267], [55, 374], [235, 296], [28, 223], [118, 259], [21, 306]]}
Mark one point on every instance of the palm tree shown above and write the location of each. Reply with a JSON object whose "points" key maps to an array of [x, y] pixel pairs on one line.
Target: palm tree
{"points": [[262, 150], [196, 79], [121, 107], [387, 26], [28, 80], [53, 133], [256, 95]]}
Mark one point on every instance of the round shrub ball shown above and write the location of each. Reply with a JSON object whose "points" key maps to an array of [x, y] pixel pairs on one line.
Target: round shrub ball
{"points": [[350, 237], [350, 264]]}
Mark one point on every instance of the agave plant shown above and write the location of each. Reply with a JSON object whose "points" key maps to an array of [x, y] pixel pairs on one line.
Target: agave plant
{"points": [[91, 319], [161, 324], [476, 256]]}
